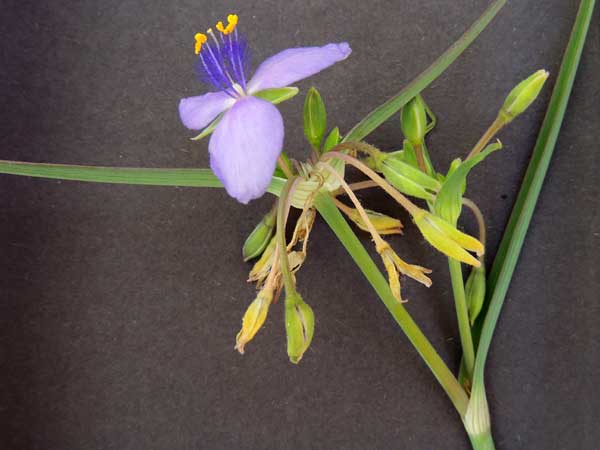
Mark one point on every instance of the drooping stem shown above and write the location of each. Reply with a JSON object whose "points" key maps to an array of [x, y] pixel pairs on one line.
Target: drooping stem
{"points": [[401, 199], [283, 165], [478, 216], [361, 211], [340, 227], [420, 158], [359, 185], [283, 209], [496, 126]]}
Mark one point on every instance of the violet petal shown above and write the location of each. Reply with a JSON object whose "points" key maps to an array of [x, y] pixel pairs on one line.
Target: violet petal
{"points": [[295, 64], [245, 146], [197, 112]]}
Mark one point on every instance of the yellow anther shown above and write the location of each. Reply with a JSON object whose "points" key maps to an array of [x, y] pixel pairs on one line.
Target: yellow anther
{"points": [[232, 20], [200, 39]]}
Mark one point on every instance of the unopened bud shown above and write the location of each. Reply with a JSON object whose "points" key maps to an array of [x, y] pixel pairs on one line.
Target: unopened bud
{"points": [[299, 326], [332, 139], [475, 292], [260, 237], [254, 318], [447, 239], [315, 118], [522, 96], [413, 120], [407, 178]]}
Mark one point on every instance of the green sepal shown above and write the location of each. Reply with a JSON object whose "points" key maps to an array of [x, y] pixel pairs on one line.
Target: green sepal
{"points": [[260, 237], [332, 139], [475, 291], [413, 120], [315, 118], [209, 129], [299, 326], [277, 95], [448, 203]]}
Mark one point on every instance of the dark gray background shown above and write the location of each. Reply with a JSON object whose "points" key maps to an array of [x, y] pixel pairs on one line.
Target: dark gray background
{"points": [[119, 305]]}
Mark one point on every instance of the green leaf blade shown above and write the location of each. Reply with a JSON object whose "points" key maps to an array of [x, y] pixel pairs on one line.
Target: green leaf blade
{"points": [[514, 235], [390, 107]]}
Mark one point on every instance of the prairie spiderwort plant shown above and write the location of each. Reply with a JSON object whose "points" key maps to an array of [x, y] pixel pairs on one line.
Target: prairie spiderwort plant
{"points": [[249, 137]]}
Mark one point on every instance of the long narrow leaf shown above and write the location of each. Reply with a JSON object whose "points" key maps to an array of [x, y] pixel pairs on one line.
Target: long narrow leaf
{"points": [[340, 227], [122, 175], [390, 107], [512, 241]]}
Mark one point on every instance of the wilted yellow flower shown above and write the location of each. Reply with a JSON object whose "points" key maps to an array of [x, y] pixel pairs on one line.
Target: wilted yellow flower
{"points": [[383, 224], [447, 239], [395, 266], [254, 318]]}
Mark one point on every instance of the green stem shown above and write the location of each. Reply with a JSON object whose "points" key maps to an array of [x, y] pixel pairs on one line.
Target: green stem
{"points": [[483, 441], [462, 315], [340, 227]]}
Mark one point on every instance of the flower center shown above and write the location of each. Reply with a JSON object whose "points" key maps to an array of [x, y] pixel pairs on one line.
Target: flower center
{"points": [[222, 60]]}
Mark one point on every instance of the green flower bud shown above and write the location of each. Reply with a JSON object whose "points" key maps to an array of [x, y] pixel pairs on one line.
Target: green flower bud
{"points": [[315, 118], [447, 239], [299, 326], [475, 292], [260, 237], [407, 178], [522, 96], [332, 139], [413, 120]]}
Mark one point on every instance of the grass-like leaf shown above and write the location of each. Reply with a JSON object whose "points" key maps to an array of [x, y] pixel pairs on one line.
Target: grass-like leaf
{"points": [[393, 105], [122, 175], [514, 235]]}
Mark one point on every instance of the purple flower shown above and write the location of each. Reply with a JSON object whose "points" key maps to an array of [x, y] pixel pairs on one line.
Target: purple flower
{"points": [[249, 137]]}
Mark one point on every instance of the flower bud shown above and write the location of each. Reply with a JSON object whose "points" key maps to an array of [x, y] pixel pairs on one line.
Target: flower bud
{"points": [[447, 239], [475, 292], [413, 120], [260, 237], [254, 318], [382, 223], [315, 118], [408, 179], [332, 139], [522, 96], [299, 326]]}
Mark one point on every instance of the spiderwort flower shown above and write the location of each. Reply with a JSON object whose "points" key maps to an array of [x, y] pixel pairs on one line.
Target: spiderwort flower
{"points": [[249, 137]]}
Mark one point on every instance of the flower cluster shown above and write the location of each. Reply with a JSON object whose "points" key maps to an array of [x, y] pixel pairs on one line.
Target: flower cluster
{"points": [[246, 145]]}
